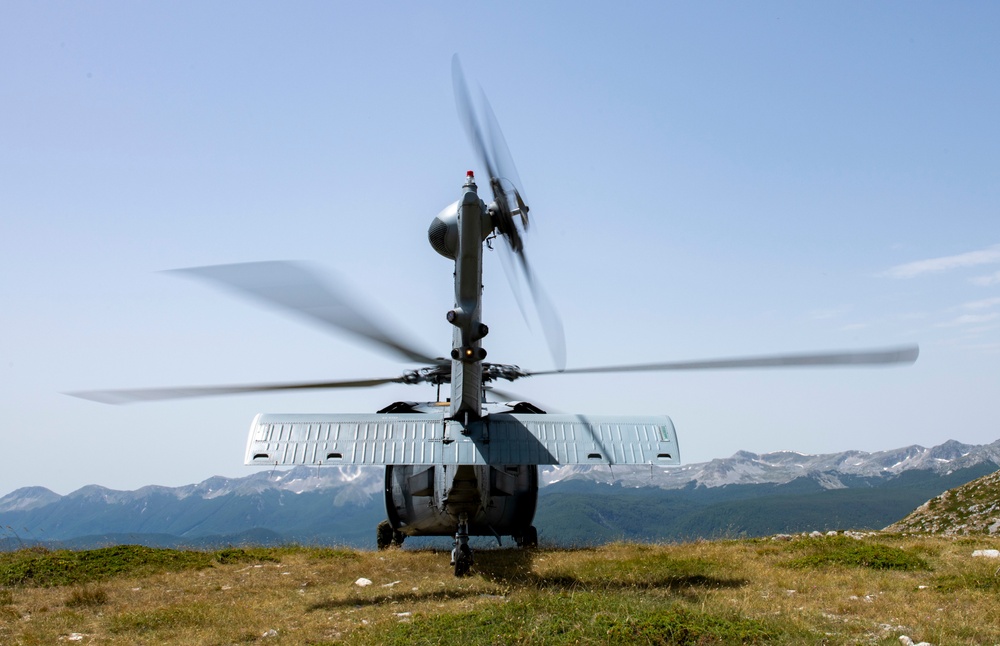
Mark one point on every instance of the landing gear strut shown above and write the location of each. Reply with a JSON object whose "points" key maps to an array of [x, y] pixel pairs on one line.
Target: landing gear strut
{"points": [[461, 554]]}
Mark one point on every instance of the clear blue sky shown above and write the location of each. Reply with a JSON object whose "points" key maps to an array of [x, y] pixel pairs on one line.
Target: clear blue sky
{"points": [[706, 180]]}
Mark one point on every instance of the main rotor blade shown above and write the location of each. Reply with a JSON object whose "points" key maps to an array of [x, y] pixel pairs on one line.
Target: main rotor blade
{"points": [[184, 392], [877, 357], [508, 396], [294, 288]]}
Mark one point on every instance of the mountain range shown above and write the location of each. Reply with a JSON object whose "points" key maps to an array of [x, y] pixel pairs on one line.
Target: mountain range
{"points": [[746, 494]]}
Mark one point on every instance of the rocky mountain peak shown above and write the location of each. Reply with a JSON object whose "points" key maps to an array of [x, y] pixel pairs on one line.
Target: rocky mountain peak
{"points": [[28, 498]]}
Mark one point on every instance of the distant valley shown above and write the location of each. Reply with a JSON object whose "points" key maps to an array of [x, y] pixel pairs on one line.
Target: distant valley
{"points": [[744, 495]]}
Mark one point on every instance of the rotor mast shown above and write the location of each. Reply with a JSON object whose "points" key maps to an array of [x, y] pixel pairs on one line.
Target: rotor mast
{"points": [[467, 352]]}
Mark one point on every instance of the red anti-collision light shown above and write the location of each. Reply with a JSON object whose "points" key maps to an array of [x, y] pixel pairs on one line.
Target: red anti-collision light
{"points": [[468, 173]]}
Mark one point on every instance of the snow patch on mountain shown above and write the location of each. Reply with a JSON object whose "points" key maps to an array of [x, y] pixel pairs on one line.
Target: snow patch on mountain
{"points": [[780, 467], [360, 485]]}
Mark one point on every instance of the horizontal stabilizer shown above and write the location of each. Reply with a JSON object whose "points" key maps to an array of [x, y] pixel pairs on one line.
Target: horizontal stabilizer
{"points": [[428, 439]]}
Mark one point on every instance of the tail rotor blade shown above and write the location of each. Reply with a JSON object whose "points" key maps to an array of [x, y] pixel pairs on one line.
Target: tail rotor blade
{"points": [[486, 141], [503, 161], [467, 115], [490, 145], [549, 317], [511, 271]]}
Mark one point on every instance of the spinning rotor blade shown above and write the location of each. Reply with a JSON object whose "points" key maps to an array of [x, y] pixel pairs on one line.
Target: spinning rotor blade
{"points": [[510, 270], [507, 397], [503, 395], [504, 162], [159, 394], [877, 357], [490, 145], [467, 114], [551, 323], [294, 288], [486, 150]]}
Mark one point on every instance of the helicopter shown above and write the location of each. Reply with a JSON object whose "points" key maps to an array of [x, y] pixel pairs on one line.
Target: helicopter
{"points": [[463, 466]]}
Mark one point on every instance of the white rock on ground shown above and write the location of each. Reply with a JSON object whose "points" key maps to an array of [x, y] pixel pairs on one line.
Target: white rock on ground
{"points": [[990, 554], [363, 582]]}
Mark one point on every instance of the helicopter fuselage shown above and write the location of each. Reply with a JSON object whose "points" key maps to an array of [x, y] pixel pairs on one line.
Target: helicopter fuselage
{"points": [[428, 500]]}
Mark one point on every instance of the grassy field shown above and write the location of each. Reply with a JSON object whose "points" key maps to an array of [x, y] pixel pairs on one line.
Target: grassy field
{"points": [[830, 590]]}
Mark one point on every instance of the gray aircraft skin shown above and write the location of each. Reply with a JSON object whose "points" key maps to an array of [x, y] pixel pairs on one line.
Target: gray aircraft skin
{"points": [[461, 467]]}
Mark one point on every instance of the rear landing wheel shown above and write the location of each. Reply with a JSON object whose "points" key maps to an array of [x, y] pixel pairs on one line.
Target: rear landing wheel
{"points": [[463, 560], [461, 553]]}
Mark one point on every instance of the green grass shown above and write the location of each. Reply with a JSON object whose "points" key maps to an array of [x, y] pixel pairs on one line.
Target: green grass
{"points": [[246, 555], [585, 617], [170, 618], [87, 597], [838, 590], [850, 552], [679, 625], [65, 567]]}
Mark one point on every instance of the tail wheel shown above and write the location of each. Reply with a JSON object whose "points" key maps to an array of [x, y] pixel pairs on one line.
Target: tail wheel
{"points": [[463, 560]]}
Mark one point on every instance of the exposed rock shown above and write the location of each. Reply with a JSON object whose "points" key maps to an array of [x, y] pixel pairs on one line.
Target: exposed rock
{"points": [[969, 510], [990, 554]]}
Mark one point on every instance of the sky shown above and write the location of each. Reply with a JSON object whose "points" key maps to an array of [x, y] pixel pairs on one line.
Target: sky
{"points": [[705, 180]]}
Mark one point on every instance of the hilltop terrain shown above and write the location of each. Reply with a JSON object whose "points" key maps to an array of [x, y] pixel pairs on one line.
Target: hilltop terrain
{"points": [[918, 582], [844, 589]]}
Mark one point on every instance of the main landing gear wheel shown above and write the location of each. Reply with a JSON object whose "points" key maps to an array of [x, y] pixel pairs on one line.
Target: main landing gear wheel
{"points": [[529, 538], [383, 535], [386, 536]]}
